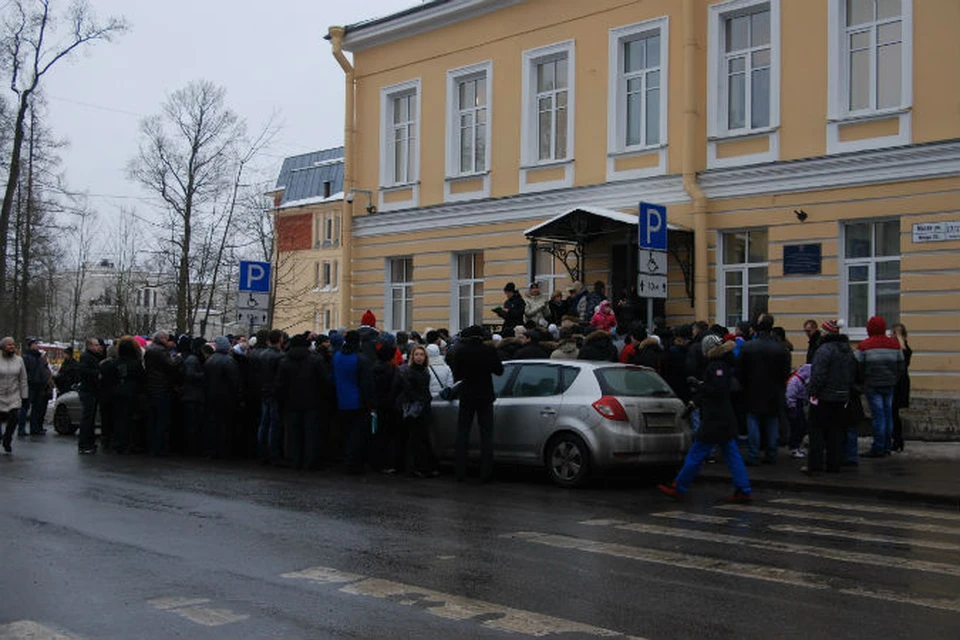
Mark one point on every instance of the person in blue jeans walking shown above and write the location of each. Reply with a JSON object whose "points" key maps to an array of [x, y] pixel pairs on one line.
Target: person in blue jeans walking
{"points": [[763, 368], [718, 424], [881, 366]]}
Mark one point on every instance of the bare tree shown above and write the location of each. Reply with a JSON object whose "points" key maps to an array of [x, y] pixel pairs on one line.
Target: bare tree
{"points": [[31, 47], [186, 156], [85, 230]]}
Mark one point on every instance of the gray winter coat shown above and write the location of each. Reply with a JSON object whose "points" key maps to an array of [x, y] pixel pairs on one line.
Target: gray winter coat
{"points": [[13, 383]]}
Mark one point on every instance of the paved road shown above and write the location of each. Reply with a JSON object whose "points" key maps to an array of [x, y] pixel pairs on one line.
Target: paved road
{"points": [[111, 547]]}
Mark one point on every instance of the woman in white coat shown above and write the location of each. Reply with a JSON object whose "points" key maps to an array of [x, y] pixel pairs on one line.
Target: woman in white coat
{"points": [[440, 374], [13, 390]]}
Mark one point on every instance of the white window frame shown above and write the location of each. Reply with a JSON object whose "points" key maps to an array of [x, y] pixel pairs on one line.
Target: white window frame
{"points": [[317, 275], [547, 281], [456, 282], [617, 146], [743, 267], [529, 120], [717, 121], [477, 71], [856, 332], [387, 176], [406, 287], [838, 80]]}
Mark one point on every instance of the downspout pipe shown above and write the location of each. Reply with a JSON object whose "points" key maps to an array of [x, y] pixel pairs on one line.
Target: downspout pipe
{"points": [[690, 183], [346, 227]]}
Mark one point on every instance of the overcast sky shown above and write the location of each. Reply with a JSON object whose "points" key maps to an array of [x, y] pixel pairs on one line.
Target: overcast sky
{"points": [[269, 55]]}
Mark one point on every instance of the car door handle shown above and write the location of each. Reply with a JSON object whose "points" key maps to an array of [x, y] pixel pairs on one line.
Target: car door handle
{"points": [[547, 411]]}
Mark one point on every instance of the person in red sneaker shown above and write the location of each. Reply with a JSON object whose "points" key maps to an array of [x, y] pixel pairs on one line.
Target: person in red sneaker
{"points": [[718, 427]]}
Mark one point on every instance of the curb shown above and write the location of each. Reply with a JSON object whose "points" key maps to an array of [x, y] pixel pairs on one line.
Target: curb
{"points": [[899, 495]]}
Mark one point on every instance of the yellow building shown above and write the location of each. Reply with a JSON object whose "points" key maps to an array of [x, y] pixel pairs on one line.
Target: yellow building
{"points": [[808, 152], [308, 202]]}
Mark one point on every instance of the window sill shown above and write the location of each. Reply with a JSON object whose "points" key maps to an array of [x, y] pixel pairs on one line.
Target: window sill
{"points": [[546, 164], [869, 116], [467, 176], [399, 186], [742, 135], [632, 151]]}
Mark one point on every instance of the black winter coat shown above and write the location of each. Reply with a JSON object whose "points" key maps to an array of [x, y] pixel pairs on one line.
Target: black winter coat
{"points": [[674, 371], [512, 313], [834, 370], [303, 381], [223, 379], [474, 363], [718, 421], [531, 351], [384, 385], [598, 346], [763, 369], [194, 383], [267, 365], [89, 373], [124, 377], [162, 373], [412, 383]]}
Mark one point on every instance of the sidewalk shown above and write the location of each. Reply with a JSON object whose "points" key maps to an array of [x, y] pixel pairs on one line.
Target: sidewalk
{"points": [[925, 472]]}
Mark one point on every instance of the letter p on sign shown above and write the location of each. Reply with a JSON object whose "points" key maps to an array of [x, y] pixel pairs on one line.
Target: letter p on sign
{"points": [[255, 276], [653, 226]]}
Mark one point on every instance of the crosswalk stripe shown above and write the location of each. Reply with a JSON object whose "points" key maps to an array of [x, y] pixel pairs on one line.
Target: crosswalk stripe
{"points": [[799, 549], [868, 508], [29, 630], [694, 517], [451, 607], [766, 573], [865, 537], [831, 517]]}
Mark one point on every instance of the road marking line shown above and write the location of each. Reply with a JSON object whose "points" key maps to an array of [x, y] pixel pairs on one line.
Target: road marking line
{"points": [[695, 517], [451, 607], [831, 517], [30, 630], [190, 609], [799, 549], [866, 508], [863, 537], [731, 568], [602, 522]]}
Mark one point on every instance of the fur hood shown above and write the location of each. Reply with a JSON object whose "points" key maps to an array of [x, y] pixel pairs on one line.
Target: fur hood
{"points": [[721, 350]]}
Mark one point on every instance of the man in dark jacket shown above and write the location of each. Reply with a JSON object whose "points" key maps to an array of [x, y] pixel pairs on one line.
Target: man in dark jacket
{"points": [[598, 346], [530, 347], [162, 375], [353, 379], [89, 391], [512, 310], [222, 374], [882, 365], [832, 376], [266, 363], [194, 397], [301, 388], [719, 424], [38, 380], [763, 370], [67, 375], [474, 363], [123, 375]]}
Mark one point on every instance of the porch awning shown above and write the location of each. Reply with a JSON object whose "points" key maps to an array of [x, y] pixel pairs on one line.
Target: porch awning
{"points": [[583, 224]]}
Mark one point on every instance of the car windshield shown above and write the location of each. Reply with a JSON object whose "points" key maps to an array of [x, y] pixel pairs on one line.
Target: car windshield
{"points": [[632, 381]]}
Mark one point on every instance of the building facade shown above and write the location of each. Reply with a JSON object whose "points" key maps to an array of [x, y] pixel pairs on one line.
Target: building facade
{"points": [[308, 201], [808, 154]]}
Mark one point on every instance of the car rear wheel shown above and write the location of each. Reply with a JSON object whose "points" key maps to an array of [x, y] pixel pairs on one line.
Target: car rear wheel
{"points": [[61, 422], [568, 460]]}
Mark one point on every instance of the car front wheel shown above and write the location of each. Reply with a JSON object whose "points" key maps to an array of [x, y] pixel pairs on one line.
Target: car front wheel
{"points": [[61, 422], [568, 460]]}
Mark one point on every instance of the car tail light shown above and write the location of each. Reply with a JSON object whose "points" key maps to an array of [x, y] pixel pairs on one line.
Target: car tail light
{"points": [[611, 409]]}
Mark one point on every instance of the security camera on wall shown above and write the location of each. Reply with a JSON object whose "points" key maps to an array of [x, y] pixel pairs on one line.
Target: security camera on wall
{"points": [[350, 197]]}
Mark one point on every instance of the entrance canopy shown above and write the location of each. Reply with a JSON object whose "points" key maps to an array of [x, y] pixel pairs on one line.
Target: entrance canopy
{"points": [[583, 224]]}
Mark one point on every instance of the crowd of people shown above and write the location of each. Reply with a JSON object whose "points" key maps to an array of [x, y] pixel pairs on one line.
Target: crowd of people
{"points": [[364, 396]]}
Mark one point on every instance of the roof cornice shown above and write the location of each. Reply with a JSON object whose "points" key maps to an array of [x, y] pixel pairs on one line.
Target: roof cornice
{"points": [[404, 24]]}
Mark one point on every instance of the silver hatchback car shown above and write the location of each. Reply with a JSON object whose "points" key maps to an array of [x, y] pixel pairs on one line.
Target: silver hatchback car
{"points": [[573, 417]]}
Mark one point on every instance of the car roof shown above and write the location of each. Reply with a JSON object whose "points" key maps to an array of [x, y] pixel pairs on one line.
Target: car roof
{"points": [[581, 364]]}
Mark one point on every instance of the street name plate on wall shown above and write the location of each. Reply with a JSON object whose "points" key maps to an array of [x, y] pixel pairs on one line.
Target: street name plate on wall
{"points": [[802, 259], [936, 231]]}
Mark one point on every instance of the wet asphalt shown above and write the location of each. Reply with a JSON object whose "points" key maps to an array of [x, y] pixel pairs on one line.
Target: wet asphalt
{"points": [[134, 547]]}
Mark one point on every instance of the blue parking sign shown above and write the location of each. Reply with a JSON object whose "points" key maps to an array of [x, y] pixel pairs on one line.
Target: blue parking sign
{"points": [[255, 276], [653, 226]]}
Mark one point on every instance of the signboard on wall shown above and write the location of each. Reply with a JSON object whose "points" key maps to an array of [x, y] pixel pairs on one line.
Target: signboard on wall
{"points": [[802, 259], [936, 231]]}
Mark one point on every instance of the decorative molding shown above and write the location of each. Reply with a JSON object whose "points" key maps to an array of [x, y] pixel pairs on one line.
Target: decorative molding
{"points": [[861, 168], [772, 154], [417, 20], [533, 206]]}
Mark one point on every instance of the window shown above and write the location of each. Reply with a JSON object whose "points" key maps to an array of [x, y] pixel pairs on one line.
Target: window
{"points": [[317, 275], [743, 276], [548, 104], [747, 68], [536, 380], [399, 150], [330, 230], [327, 319], [400, 293], [546, 273], [744, 67], [327, 275], [638, 56], [873, 54], [468, 289], [471, 112], [871, 261]]}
